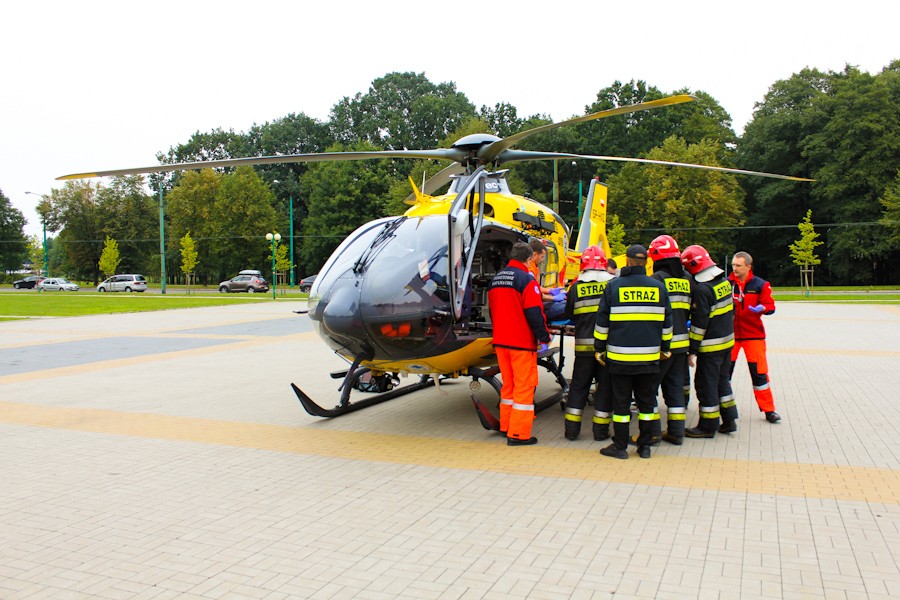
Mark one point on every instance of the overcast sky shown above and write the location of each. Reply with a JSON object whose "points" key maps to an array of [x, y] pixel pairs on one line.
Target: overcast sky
{"points": [[91, 85]]}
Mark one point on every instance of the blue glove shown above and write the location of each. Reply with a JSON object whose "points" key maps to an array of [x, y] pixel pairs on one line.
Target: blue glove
{"points": [[543, 348], [559, 294], [758, 308]]}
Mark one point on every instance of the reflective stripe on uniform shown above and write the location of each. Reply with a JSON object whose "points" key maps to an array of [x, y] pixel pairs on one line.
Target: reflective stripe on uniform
{"points": [[585, 306], [622, 418], [679, 341], [633, 354], [654, 416], [727, 401], [676, 413], [506, 401], [722, 307], [601, 333], [573, 414], [716, 344], [760, 388], [601, 418], [637, 313], [524, 407], [584, 344], [709, 412]]}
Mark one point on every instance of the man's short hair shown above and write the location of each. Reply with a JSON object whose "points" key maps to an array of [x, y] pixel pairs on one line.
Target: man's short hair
{"points": [[521, 252], [537, 246], [745, 255], [612, 263]]}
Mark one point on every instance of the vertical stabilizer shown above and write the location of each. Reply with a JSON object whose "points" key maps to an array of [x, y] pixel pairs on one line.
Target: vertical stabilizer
{"points": [[592, 229]]}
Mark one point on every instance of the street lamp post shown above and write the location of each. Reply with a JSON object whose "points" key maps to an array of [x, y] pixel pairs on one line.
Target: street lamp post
{"points": [[273, 237], [46, 271]]}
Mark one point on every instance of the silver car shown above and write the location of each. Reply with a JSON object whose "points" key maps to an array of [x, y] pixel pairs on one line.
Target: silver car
{"points": [[57, 284], [124, 283], [245, 283]]}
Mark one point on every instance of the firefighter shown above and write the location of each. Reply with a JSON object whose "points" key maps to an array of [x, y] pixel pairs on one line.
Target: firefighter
{"points": [[519, 325], [752, 299], [633, 331], [711, 340], [581, 308], [668, 269]]}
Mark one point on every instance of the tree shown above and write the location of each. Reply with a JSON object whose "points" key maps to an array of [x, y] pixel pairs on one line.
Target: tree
{"points": [[190, 208], [703, 205], [615, 235], [400, 111], [891, 202], [110, 257], [342, 196], [283, 262], [13, 243], [803, 251], [76, 209], [130, 216], [36, 253], [242, 213], [188, 258]]}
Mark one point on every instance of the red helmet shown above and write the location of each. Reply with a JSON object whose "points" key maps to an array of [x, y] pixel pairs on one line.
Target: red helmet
{"points": [[593, 257], [695, 259], [664, 246]]}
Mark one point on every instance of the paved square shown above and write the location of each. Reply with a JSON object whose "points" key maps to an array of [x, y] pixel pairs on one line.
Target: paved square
{"points": [[163, 455]]}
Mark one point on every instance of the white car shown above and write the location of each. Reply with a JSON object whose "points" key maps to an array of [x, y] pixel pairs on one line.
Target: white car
{"points": [[58, 284], [124, 283]]}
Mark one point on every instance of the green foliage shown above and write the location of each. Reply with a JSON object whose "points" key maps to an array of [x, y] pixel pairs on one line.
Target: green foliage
{"points": [[109, 257], [190, 208], [342, 196], [655, 199], [36, 253], [242, 213], [77, 207], [188, 257], [803, 251], [615, 235], [131, 216], [283, 262], [891, 202], [13, 243], [401, 111], [843, 129]]}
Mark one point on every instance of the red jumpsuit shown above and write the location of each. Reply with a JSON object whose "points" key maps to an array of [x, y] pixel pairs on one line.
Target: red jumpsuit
{"points": [[750, 334]]}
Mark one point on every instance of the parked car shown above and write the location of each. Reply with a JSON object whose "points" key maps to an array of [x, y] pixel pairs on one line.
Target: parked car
{"points": [[124, 283], [57, 284], [245, 282], [28, 283], [306, 283]]}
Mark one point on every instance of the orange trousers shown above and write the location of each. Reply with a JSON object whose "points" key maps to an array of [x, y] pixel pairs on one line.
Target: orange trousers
{"points": [[755, 352], [518, 369]]}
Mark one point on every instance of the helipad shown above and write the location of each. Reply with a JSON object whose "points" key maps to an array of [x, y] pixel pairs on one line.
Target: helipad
{"points": [[163, 455]]}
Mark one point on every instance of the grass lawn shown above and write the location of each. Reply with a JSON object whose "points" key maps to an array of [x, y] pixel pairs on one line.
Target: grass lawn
{"points": [[53, 304]]}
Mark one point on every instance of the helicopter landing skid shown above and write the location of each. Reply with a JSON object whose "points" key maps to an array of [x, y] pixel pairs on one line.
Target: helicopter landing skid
{"points": [[347, 407], [546, 360]]}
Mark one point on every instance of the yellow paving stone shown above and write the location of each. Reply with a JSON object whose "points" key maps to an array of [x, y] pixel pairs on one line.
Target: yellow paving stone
{"points": [[805, 480]]}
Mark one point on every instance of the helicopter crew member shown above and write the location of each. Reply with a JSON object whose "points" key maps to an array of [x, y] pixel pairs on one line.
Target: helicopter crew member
{"points": [[668, 269], [752, 299], [519, 325], [633, 331], [712, 337], [554, 298], [582, 301]]}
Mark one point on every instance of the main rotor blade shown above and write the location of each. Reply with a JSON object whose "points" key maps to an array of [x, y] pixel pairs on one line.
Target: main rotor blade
{"points": [[490, 152], [439, 153], [519, 155]]}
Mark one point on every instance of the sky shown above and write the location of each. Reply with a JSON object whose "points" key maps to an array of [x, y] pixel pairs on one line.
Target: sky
{"points": [[93, 85]]}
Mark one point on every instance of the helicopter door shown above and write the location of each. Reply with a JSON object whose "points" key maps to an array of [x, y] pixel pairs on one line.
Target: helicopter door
{"points": [[463, 228]]}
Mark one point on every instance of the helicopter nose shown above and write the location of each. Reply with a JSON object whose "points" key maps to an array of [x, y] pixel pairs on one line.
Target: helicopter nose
{"points": [[341, 315]]}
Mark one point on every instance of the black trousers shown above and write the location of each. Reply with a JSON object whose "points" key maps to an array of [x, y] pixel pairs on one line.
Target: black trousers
{"points": [[713, 386], [671, 384], [641, 387]]}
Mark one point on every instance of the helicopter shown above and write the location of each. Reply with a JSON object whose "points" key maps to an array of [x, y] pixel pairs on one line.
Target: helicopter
{"points": [[407, 295]]}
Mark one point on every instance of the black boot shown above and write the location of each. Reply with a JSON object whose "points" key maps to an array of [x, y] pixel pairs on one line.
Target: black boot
{"points": [[696, 432], [573, 428], [729, 427], [601, 432]]}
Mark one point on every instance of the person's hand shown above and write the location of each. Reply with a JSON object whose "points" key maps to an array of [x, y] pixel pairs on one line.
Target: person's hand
{"points": [[559, 294], [665, 355], [543, 347], [600, 357], [692, 360], [758, 308]]}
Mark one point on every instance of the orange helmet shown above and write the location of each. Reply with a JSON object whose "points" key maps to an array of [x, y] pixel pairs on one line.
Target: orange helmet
{"points": [[593, 257], [662, 247], [695, 258]]}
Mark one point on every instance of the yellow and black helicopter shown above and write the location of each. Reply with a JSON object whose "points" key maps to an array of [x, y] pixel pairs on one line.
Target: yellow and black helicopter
{"points": [[407, 295]]}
